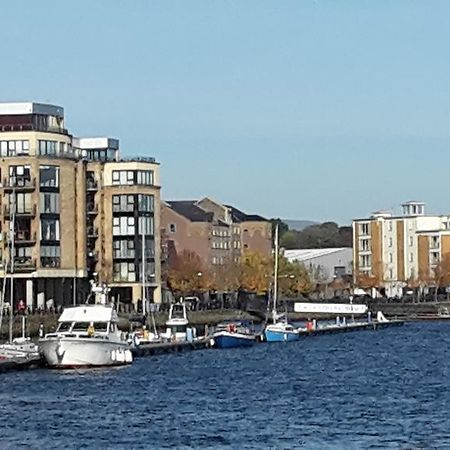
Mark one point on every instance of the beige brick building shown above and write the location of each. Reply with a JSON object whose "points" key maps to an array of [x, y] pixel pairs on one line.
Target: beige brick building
{"points": [[392, 252], [79, 212], [218, 233]]}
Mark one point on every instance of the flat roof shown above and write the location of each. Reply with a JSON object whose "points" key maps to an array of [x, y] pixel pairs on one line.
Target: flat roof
{"points": [[312, 253], [23, 108]]}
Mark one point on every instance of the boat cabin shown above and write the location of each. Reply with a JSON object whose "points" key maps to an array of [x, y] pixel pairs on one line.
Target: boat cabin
{"points": [[177, 325]]}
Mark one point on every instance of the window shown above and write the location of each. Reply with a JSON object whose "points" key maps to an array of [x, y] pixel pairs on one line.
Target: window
{"points": [[124, 271], [365, 261], [391, 258], [123, 203], [411, 241], [47, 147], [123, 177], [390, 242], [19, 175], [123, 226], [49, 203], [172, 228], [146, 203], [14, 148], [123, 248], [391, 274], [365, 246], [50, 230], [144, 177], [389, 224], [146, 225], [49, 176], [23, 203], [364, 228], [50, 255], [411, 257]]}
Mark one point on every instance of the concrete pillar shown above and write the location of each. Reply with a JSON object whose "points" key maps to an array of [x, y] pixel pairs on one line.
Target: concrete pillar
{"points": [[29, 294]]}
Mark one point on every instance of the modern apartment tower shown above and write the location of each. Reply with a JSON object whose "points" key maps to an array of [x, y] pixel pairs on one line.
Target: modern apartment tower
{"points": [[79, 212]]}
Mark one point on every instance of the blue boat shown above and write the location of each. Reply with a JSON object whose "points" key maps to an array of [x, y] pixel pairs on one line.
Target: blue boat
{"points": [[233, 334], [281, 332]]}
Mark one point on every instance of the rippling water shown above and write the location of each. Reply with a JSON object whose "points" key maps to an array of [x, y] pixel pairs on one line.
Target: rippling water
{"points": [[384, 389]]}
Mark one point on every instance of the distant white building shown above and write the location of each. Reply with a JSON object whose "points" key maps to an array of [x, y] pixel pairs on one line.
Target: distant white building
{"points": [[324, 264]]}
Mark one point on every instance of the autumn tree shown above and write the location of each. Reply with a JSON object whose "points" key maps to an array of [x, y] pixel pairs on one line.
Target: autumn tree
{"points": [[293, 278], [186, 274], [255, 272]]}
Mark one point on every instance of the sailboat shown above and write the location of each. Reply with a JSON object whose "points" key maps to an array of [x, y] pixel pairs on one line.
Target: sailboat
{"points": [[20, 349], [279, 330]]}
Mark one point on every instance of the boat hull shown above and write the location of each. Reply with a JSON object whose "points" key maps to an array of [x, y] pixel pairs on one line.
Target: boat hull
{"points": [[67, 353], [233, 340], [281, 336]]}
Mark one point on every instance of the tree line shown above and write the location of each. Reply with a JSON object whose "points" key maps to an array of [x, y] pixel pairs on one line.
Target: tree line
{"points": [[324, 235]]}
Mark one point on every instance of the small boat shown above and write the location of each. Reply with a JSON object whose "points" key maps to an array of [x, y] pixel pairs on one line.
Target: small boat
{"points": [[177, 326], [87, 336], [281, 332], [231, 334]]}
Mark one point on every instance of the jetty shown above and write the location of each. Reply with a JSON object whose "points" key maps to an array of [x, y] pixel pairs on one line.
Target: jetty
{"points": [[158, 348]]}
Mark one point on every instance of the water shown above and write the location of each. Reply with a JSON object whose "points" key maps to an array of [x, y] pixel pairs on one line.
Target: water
{"points": [[384, 389]]}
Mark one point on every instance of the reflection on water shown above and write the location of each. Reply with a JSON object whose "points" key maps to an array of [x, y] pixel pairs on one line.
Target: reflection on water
{"points": [[388, 389]]}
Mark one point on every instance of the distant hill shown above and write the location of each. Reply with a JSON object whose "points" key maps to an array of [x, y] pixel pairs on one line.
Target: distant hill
{"points": [[299, 225]]}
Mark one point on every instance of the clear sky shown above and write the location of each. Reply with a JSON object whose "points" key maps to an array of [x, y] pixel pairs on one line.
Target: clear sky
{"points": [[304, 109]]}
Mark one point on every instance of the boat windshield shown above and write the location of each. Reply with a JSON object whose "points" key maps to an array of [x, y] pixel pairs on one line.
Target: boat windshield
{"points": [[64, 326], [177, 312], [178, 328], [83, 326]]}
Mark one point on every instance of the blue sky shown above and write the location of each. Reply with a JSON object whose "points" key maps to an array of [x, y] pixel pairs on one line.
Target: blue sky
{"points": [[305, 109]]}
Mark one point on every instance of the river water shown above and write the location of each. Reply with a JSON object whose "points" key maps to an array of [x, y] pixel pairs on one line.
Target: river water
{"points": [[383, 389]]}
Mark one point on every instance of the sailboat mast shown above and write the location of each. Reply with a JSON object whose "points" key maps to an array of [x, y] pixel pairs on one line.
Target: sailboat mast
{"points": [[275, 275], [143, 269], [11, 263]]}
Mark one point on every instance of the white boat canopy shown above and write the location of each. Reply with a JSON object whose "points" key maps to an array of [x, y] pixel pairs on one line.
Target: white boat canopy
{"points": [[88, 313]]}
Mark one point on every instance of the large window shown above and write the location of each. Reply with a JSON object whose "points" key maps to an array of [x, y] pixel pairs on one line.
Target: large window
{"points": [[123, 248], [129, 177], [124, 271], [123, 226], [146, 203], [49, 176], [23, 203], [49, 203], [19, 175], [47, 147], [123, 203], [123, 177], [14, 148], [50, 255], [50, 230], [144, 177], [146, 225]]}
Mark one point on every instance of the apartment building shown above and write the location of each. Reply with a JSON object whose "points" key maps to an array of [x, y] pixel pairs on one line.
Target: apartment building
{"points": [[79, 211], [218, 233], [392, 252]]}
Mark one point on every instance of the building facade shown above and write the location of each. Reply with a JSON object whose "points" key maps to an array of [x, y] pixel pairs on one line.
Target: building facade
{"points": [[78, 211], [393, 252], [218, 233]]}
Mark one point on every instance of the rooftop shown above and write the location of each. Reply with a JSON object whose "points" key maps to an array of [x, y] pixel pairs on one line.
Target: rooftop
{"points": [[311, 253], [191, 211], [239, 216], [26, 108]]}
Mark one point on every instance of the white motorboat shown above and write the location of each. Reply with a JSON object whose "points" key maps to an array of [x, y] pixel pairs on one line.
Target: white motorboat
{"points": [[87, 336], [177, 329]]}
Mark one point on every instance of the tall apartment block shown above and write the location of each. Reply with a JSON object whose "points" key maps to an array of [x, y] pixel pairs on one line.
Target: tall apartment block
{"points": [[218, 233], [396, 251], [79, 211]]}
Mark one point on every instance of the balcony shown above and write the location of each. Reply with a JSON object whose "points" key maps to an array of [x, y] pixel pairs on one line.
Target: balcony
{"points": [[27, 213], [19, 184], [92, 232], [24, 238], [24, 264], [91, 185], [92, 209]]}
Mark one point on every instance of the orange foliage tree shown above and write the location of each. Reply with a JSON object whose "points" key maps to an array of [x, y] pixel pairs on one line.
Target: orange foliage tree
{"points": [[255, 272], [186, 274]]}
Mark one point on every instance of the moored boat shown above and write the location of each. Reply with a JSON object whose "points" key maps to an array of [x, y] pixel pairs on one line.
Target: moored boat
{"points": [[232, 334], [281, 332], [87, 336]]}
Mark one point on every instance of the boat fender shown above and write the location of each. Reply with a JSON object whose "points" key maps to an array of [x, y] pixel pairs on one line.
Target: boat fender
{"points": [[128, 356], [136, 340], [212, 343], [113, 355], [59, 351]]}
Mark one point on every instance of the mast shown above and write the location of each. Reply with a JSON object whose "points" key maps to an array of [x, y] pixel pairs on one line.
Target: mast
{"points": [[275, 277], [11, 263], [143, 269]]}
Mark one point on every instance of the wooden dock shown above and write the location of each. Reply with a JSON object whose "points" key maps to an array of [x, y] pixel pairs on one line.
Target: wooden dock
{"points": [[170, 347], [334, 329]]}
